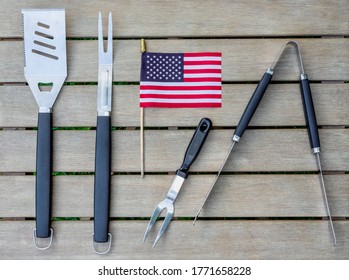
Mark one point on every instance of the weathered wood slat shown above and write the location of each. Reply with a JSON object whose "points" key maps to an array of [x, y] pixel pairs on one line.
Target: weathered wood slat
{"points": [[305, 239], [76, 106], [194, 18], [233, 196], [243, 59], [259, 150]]}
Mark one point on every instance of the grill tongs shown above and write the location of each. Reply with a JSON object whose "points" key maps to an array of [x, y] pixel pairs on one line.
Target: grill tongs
{"points": [[310, 119]]}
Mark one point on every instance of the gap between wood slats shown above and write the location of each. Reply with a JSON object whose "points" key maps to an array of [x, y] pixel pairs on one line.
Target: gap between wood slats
{"points": [[286, 37]]}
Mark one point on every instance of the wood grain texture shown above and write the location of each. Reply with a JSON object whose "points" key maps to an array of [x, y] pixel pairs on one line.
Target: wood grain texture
{"points": [[195, 18], [281, 106], [259, 150], [244, 239], [233, 196], [242, 59]]}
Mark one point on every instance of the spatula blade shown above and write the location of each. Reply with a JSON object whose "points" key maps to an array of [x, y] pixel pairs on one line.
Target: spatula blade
{"points": [[45, 53]]}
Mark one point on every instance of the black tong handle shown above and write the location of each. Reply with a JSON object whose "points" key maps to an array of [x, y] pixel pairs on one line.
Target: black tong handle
{"points": [[102, 179], [43, 175], [195, 145], [309, 113], [252, 105]]}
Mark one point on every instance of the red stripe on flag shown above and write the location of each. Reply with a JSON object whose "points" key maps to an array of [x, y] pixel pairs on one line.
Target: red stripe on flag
{"points": [[208, 79], [203, 62], [181, 96], [202, 54], [143, 87], [180, 105], [202, 71]]}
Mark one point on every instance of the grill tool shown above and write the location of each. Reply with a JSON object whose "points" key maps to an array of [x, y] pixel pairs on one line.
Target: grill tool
{"points": [[191, 153], [45, 65], [103, 140], [310, 119]]}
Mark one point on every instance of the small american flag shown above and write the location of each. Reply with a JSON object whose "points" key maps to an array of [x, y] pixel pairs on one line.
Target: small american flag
{"points": [[181, 80]]}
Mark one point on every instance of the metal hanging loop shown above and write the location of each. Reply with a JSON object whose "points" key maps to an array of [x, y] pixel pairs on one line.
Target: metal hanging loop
{"points": [[35, 240], [108, 248]]}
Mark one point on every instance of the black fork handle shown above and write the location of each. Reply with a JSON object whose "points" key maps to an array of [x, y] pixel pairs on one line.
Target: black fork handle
{"points": [[102, 179], [309, 113], [195, 145], [253, 104], [43, 175]]}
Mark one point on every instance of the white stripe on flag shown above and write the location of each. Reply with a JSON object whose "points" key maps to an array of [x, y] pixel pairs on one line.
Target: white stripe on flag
{"points": [[203, 58], [203, 66], [208, 75]]}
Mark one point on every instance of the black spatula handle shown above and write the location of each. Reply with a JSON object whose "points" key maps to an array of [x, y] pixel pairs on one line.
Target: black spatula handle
{"points": [[252, 105], [195, 146], [102, 179], [43, 175], [309, 113]]}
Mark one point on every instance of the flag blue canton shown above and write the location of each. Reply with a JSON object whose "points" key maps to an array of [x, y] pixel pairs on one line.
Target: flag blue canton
{"points": [[162, 67]]}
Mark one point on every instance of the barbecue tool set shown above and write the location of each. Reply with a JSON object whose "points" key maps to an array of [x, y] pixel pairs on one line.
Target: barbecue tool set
{"points": [[46, 70]]}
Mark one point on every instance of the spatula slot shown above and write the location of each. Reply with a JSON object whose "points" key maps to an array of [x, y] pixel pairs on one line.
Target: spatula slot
{"points": [[43, 25], [47, 36], [45, 87], [44, 45], [45, 54]]}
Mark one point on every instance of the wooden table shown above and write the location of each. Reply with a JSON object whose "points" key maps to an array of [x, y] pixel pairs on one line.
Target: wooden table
{"points": [[267, 205]]}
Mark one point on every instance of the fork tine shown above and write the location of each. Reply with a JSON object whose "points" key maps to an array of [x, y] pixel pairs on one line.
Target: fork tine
{"points": [[100, 34], [168, 218], [110, 35], [152, 221]]}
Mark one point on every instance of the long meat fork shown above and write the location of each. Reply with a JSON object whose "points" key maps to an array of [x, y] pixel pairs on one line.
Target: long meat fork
{"points": [[191, 153], [103, 140]]}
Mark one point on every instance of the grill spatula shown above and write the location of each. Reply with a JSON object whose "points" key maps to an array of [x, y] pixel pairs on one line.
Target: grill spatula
{"points": [[45, 71]]}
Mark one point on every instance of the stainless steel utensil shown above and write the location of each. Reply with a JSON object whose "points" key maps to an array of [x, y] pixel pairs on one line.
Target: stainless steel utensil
{"points": [[45, 71]]}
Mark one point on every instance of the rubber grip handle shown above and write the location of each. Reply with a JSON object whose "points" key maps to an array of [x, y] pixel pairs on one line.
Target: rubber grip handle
{"points": [[102, 179], [195, 145], [43, 175], [309, 114], [253, 104]]}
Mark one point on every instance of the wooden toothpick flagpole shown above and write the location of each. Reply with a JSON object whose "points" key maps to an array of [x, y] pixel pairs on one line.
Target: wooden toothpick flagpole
{"points": [[142, 49]]}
